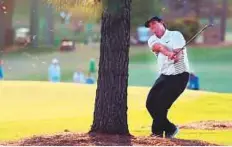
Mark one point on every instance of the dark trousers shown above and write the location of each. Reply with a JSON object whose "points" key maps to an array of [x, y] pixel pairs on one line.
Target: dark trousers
{"points": [[161, 97]]}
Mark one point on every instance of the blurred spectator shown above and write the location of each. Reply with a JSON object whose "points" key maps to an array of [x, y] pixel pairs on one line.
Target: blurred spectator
{"points": [[54, 74], [78, 27], [79, 77], [92, 67], [65, 17], [193, 82], [1, 70], [62, 16], [89, 33]]}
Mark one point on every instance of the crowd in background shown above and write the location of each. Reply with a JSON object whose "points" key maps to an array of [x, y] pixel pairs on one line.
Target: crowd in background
{"points": [[54, 73]]}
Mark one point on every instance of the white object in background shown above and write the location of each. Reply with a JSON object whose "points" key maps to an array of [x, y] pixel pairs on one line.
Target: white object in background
{"points": [[62, 14], [199, 39], [55, 61], [22, 35], [22, 32], [67, 43]]}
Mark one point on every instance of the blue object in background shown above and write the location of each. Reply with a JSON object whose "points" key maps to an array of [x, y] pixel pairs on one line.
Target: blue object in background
{"points": [[54, 71], [143, 34], [89, 80], [193, 82], [1, 72]]}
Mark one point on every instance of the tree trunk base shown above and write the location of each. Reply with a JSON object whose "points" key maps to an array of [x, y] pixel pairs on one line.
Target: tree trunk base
{"points": [[95, 133]]}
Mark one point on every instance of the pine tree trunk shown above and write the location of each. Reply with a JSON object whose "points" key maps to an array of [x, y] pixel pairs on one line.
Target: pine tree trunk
{"points": [[110, 114], [2, 28], [34, 23], [197, 8], [9, 30], [6, 16], [223, 19], [49, 25]]}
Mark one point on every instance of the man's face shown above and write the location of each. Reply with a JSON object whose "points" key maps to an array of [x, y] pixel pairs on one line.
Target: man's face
{"points": [[157, 28]]}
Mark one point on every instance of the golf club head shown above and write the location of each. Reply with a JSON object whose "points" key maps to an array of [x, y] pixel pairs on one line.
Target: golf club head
{"points": [[210, 25], [206, 26]]}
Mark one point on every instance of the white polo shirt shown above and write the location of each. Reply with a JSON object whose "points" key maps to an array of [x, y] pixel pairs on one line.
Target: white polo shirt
{"points": [[172, 40]]}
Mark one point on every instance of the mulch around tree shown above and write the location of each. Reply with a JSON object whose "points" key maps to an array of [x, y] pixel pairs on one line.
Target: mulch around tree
{"points": [[75, 139]]}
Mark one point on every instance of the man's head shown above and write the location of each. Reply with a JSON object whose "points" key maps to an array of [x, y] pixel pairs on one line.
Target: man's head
{"points": [[156, 26]]}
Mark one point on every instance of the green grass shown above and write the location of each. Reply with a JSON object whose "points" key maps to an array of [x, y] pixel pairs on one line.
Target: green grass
{"points": [[197, 54], [32, 51], [37, 108], [213, 66], [24, 59]]}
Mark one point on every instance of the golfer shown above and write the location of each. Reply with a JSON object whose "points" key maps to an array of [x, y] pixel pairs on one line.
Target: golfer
{"points": [[174, 74]]}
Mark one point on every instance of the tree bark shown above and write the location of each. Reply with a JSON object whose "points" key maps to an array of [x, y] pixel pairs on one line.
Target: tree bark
{"points": [[2, 28], [223, 19], [186, 8], [212, 13], [197, 8], [34, 23], [49, 25], [10, 11], [6, 17], [9, 30], [110, 114]]}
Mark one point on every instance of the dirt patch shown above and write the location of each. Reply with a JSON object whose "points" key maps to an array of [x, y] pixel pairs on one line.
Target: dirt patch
{"points": [[208, 125], [71, 139]]}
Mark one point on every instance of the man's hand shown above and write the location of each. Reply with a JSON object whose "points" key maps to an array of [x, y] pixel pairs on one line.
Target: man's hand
{"points": [[172, 55], [159, 48], [178, 52], [156, 48]]}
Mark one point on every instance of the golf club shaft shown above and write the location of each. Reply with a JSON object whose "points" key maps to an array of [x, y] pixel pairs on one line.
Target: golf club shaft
{"points": [[191, 39]]}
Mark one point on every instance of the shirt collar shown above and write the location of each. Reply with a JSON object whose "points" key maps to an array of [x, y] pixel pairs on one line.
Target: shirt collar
{"points": [[165, 35]]}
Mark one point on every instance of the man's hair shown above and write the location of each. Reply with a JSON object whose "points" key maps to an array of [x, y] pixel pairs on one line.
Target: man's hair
{"points": [[155, 18]]}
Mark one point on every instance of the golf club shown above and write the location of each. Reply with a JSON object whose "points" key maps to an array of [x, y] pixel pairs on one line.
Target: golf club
{"points": [[191, 39]]}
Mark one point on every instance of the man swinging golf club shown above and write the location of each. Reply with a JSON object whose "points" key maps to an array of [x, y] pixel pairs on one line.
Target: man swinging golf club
{"points": [[174, 74]]}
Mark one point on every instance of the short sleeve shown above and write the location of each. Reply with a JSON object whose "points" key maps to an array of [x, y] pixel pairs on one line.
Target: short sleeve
{"points": [[179, 40], [152, 40]]}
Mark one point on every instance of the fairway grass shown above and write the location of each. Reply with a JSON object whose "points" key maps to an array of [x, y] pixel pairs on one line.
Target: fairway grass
{"points": [[212, 65], [40, 108]]}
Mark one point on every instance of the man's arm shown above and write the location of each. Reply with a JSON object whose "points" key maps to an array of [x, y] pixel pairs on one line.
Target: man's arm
{"points": [[178, 44], [159, 48], [156, 47]]}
